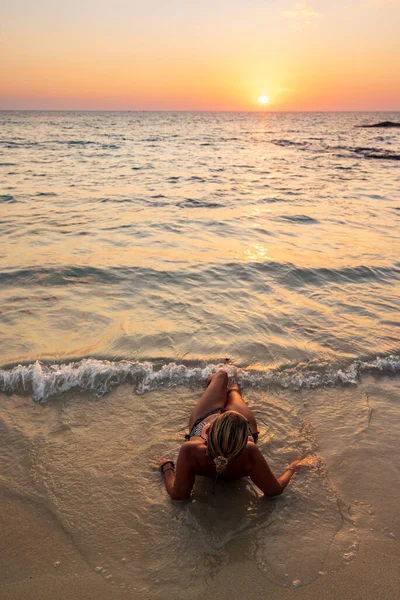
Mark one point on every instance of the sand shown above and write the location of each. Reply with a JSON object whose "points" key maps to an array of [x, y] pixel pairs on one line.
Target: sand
{"points": [[38, 561]]}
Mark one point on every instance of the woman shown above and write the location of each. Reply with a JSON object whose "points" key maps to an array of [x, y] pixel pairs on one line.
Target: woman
{"points": [[222, 442]]}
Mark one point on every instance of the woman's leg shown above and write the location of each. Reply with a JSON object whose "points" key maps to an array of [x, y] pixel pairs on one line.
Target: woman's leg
{"points": [[236, 402], [214, 397]]}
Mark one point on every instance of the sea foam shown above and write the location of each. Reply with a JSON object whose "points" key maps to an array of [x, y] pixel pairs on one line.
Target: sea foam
{"points": [[44, 381]]}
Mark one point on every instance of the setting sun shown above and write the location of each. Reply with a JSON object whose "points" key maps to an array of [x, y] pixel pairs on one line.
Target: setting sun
{"points": [[263, 100]]}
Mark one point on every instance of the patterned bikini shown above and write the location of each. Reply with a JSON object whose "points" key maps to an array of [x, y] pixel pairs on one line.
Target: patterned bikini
{"points": [[200, 423]]}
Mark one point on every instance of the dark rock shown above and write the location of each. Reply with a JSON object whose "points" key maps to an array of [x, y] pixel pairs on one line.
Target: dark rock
{"points": [[382, 124]]}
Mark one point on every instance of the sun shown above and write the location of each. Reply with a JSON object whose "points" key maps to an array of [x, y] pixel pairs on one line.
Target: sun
{"points": [[263, 100]]}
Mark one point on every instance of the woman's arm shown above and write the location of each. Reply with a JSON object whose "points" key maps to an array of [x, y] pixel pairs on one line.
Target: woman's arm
{"points": [[263, 477], [179, 483]]}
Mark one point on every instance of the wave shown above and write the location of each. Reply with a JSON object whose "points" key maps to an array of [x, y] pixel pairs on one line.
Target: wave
{"points": [[298, 276], [44, 381]]}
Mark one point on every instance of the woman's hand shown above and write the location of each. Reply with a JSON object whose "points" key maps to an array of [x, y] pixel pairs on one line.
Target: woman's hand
{"points": [[295, 465], [293, 468]]}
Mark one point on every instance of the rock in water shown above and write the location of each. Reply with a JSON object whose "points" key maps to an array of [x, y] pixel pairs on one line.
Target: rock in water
{"points": [[382, 124]]}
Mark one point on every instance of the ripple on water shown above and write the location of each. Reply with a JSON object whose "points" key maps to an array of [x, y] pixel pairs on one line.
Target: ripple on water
{"points": [[7, 198], [221, 244], [195, 203], [299, 219]]}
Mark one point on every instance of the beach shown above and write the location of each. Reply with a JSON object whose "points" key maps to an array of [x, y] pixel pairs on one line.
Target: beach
{"points": [[374, 572], [82, 505], [142, 252]]}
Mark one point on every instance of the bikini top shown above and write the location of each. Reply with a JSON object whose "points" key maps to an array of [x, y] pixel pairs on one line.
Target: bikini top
{"points": [[199, 426]]}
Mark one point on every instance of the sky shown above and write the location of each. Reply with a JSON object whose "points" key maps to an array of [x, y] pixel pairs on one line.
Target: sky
{"points": [[208, 55]]}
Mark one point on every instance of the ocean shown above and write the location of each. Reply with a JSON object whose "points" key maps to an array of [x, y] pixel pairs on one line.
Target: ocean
{"points": [[142, 251]]}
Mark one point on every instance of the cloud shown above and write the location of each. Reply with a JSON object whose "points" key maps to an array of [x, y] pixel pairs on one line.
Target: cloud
{"points": [[302, 12]]}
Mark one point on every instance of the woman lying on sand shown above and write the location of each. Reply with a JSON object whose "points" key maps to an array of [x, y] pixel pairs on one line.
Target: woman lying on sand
{"points": [[222, 442]]}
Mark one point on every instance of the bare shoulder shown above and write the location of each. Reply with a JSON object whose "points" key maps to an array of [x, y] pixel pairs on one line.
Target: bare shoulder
{"points": [[253, 451], [255, 458], [188, 448], [189, 451]]}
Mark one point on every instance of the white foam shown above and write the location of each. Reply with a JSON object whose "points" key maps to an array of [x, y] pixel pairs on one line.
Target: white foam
{"points": [[99, 376]]}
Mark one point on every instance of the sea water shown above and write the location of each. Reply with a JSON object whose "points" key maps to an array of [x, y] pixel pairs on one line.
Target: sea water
{"points": [[142, 251]]}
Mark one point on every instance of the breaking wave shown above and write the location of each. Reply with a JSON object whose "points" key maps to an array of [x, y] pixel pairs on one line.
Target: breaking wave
{"points": [[44, 381]]}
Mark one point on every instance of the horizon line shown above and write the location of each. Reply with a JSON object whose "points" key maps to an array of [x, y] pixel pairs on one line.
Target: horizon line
{"points": [[190, 111]]}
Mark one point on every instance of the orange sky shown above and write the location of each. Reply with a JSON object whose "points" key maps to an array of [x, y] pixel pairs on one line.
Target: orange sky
{"points": [[217, 55]]}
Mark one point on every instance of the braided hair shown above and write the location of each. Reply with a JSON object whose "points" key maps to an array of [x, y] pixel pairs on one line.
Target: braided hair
{"points": [[227, 439]]}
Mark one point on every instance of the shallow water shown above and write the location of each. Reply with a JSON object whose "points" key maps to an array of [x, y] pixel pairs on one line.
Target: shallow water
{"points": [[141, 250]]}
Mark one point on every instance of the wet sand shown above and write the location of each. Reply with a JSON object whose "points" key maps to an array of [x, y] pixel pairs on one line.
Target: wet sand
{"points": [[32, 543], [82, 513]]}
